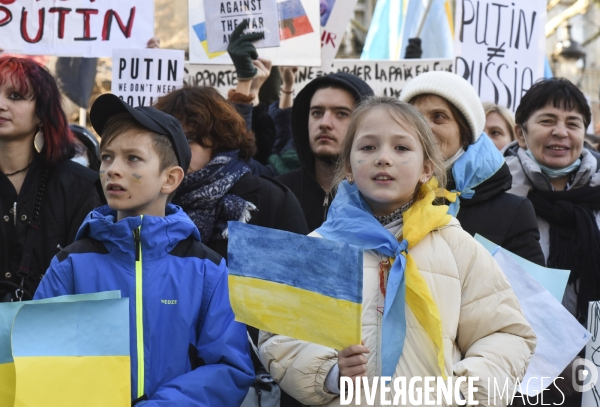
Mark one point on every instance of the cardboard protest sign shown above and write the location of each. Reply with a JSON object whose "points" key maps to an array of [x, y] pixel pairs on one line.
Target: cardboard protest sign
{"points": [[223, 16], [335, 15], [141, 76], [84, 356], [76, 28], [499, 47], [560, 336], [295, 285], [299, 36], [387, 78]]}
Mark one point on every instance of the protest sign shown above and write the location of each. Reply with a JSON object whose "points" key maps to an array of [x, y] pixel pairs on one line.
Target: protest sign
{"points": [[141, 76], [386, 78], [499, 47], [298, 22], [76, 28], [277, 284], [335, 15], [224, 16], [560, 336]]}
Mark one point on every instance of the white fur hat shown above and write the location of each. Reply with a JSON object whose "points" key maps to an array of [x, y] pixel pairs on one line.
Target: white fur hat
{"points": [[454, 89]]}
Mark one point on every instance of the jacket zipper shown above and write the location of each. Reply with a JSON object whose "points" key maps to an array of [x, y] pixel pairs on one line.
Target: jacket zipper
{"points": [[325, 205], [15, 213], [139, 310]]}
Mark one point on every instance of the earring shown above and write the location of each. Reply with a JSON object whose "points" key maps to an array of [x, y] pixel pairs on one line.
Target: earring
{"points": [[423, 180], [350, 179], [38, 141]]}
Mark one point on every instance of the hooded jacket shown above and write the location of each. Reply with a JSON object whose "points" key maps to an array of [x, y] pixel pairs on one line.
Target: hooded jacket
{"points": [[180, 315], [313, 199]]}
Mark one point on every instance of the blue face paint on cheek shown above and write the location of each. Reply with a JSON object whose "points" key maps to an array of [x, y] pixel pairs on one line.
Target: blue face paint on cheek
{"points": [[102, 172], [136, 177]]}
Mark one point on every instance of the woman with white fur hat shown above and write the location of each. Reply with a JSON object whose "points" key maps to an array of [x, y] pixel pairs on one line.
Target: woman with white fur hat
{"points": [[478, 177]]}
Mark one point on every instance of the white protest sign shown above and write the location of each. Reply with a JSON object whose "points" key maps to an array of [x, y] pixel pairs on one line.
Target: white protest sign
{"points": [[299, 35], [141, 76], [74, 27], [224, 16], [591, 372], [335, 15], [499, 47], [386, 78]]}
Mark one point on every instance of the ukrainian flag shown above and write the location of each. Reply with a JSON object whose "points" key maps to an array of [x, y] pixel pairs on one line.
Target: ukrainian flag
{"points": [[200, 30], [295, 285], [65, 353]]}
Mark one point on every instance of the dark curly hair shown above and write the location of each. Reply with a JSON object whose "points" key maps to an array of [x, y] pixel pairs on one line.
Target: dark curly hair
{"points": [[209, 119]]}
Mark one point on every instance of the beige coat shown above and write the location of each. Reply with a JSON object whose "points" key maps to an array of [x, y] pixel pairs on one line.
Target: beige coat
{"points": [[484, 331]]}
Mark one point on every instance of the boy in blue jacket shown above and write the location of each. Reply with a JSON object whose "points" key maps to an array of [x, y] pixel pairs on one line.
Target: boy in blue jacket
{"points": [[186, 348]]}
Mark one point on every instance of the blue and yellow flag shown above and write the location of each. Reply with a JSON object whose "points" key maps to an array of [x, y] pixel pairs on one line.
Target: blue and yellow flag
{"points": [[65, 351], [295, 285]]}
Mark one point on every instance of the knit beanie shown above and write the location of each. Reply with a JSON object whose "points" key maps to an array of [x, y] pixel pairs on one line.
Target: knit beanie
{"points": [[455, 90]]}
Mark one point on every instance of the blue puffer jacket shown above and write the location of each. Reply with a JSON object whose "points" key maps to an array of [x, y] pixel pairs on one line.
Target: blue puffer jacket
{"points": [[178, 302]]}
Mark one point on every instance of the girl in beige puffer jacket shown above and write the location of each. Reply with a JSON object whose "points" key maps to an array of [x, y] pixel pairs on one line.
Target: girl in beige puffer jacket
{"points": [[462, 319]]}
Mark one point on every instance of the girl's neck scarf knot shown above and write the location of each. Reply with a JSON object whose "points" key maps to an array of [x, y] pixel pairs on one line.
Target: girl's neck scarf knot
{"points": [[350, 220]]}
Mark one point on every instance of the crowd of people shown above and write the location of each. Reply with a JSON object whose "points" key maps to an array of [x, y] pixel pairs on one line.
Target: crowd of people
{"points": [[145, 207]]}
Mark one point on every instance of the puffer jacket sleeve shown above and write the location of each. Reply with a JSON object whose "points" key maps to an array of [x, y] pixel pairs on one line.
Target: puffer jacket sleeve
{"points": [[299, 367], [223, 345], [58, 279], [493, 336]]}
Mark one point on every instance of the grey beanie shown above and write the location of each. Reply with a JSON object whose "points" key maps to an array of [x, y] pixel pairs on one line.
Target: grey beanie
{"points": [[455, 90]]}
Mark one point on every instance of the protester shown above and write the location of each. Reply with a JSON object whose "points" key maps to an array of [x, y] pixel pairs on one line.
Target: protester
{"points": [[87, 148], [44, 196], [552, 168], [473, 326], [499, 125], [219, 185], [191, 354], [320, 118], [477, 174], [252, 72]]}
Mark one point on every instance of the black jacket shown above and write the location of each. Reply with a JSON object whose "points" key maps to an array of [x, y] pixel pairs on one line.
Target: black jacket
{"points": [[277, 208], [302, 182], [505, 219], [313, 199], [71, 192]]}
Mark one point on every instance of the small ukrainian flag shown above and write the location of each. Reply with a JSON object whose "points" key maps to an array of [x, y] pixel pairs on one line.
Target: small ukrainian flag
{"points": [[66, 354], [200, 30], [294, 285]]}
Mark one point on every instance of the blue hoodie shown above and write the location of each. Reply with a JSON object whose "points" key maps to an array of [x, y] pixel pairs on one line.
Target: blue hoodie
{"points": [[180, 315]]}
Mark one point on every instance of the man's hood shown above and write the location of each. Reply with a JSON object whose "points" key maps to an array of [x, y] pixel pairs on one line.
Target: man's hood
{"points": [[358, 88]]}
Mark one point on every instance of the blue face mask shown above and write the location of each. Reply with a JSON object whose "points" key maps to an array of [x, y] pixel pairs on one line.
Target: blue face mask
{"points": [[555, 173]]}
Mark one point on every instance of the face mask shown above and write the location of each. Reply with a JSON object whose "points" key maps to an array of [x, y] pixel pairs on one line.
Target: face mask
{"points": [[80, 159], [448, 163], [555, 173]]}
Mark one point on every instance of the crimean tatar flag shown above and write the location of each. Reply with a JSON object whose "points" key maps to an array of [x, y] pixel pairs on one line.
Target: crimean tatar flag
{"points": [[294, 285]]}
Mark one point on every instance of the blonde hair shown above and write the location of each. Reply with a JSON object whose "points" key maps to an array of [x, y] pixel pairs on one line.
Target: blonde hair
{"points": [[504, 113], [405, 115]]}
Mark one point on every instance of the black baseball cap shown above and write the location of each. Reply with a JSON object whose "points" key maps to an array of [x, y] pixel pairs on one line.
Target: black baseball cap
{"points": [[108, 105]]}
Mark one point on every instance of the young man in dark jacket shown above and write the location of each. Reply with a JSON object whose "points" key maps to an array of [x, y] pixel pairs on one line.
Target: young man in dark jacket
{"points": [[320, 118], [186, 348]]}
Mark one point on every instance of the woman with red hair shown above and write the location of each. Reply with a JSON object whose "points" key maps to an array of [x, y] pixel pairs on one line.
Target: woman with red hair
{"points": [[44, 196]]}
